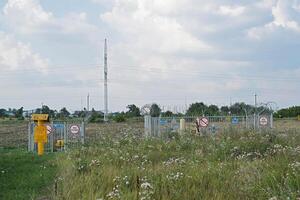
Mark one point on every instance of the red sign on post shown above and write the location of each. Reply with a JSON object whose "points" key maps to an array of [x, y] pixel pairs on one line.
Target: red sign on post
{"points": [[202, 122]]}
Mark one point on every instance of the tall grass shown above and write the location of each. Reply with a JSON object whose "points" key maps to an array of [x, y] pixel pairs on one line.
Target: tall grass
{"points": [[230, 165]]}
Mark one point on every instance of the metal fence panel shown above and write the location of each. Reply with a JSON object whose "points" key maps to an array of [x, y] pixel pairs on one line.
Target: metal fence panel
{"points": [[60, 136], [156, 126]]}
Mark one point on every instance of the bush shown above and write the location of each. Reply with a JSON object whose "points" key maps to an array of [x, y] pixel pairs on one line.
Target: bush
{"points": [[119, 118]]}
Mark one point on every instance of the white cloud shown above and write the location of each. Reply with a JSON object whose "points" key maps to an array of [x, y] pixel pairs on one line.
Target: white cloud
{"points": [[29, 17], [233, 11], [145, 28], [26, 15], [285, 16], [16, 55], [175, 47]]}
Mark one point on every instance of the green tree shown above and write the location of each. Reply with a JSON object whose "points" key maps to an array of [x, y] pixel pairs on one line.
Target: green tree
{"points": [[133, 111], [155, 110], [96, 117], [167, 114], [288, 112], [213, 110], [119, 117], [2, 113], [47, 110], [63, 113], [19, 113], [225, 110], [197, 109]]}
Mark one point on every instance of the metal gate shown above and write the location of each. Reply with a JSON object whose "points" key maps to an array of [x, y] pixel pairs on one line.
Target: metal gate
{"points": [[61, 136]]}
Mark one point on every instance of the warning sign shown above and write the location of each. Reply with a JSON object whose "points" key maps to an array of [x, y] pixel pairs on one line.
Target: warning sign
{"points": [[203, 122], [235, 120], [49, 129], [263, 121], [75, 129]]}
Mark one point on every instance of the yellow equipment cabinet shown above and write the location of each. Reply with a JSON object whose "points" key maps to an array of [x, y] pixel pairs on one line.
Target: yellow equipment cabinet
{"points": [[40, 131]]}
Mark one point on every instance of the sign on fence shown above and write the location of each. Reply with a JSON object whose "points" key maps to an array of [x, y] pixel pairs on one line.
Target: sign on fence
{"points": [[202, 122], [234, 120], [64, 133], [263, 121], [155, 126]]}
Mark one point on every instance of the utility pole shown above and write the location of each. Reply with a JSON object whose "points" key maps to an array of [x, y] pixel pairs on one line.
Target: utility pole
{"points": [[88, 102], [81, 103], [105, 83]]}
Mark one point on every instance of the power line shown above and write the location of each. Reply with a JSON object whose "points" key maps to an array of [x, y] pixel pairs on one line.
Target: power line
{"points": [[156, 70]]}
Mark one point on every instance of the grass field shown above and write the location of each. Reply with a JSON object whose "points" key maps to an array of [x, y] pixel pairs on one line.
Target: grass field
{"points": [[117, 163], [231, 165], [24, 175]]}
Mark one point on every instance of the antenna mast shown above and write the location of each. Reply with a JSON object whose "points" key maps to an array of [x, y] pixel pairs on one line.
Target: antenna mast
{"points": [[105, 83]]}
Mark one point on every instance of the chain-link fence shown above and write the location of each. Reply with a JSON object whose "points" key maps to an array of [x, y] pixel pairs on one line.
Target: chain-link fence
{"points": [[156, 126], [61, 135]]}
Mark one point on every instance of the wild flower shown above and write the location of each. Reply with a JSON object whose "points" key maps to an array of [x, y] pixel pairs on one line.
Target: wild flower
{"points": [[146, 185], [125, 180], [114, 194], [295, 166], [273, 198], [172, 161], [94, 163], [175, 176], [146, 190]]}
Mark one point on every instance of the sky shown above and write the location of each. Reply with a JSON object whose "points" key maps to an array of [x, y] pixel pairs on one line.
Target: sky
{"points": [[172, 52]]}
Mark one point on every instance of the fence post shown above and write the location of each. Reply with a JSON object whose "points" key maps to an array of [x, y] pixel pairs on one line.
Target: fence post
{"points": [[29, 136], [52, 137], [271, 120], [82, 132], [65, 136], [147, 125], [182, 126]]}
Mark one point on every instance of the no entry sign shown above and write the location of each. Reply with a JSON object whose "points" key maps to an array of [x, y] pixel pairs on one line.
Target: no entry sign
{"points": [[203, 122]]}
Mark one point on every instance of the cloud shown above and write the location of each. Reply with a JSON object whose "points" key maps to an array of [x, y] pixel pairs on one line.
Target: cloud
{"points": [[233, 11], [159, 50], [142, 22], [16, 55], [286, 16], [29, 17]]}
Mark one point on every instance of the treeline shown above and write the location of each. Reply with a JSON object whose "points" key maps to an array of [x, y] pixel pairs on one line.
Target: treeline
{"points": [[195, 109], [213, 110], [21, 114], [12, 113], [288, 112]]}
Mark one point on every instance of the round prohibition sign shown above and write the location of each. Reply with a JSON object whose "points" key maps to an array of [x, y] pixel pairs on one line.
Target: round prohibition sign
{"points": [[203, 122], [49, 129], [263, 121], [75, 129]]}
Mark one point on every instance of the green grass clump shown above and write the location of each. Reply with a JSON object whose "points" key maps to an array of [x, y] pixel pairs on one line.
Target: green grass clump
{"points": [[24, 175], [229, 165]]}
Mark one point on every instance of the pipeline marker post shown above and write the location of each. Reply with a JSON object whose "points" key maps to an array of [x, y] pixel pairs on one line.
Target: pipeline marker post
{"points": [[40, 131]]}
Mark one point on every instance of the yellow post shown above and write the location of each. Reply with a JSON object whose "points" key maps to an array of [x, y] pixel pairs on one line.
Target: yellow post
{"points": [[40, 131], [298, 117]]}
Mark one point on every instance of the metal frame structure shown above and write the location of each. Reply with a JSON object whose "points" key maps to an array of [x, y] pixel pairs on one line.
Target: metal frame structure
{"points": [[60, 138], [156, 126]]}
